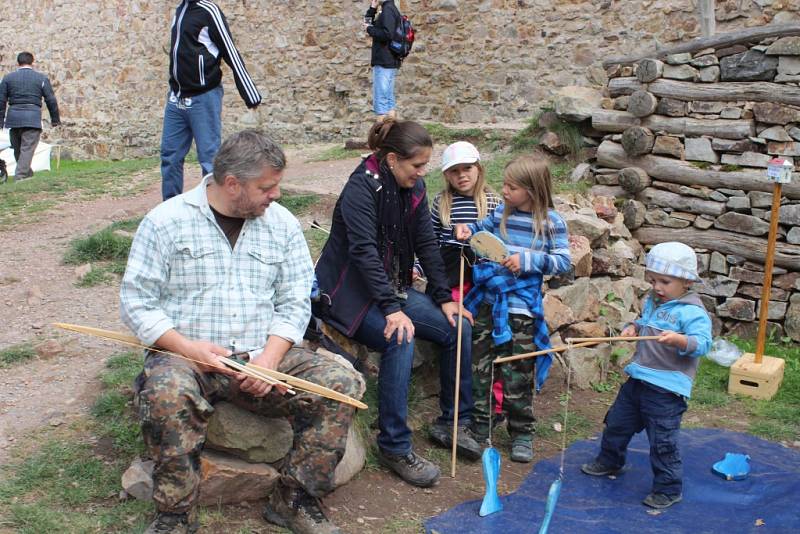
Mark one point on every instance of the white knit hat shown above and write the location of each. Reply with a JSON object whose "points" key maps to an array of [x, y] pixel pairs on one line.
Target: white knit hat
{"points": [[458, 153], [673, 259]]}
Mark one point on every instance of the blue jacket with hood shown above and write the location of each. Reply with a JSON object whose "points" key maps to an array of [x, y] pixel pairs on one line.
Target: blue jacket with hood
{"points": [[662, 365]]}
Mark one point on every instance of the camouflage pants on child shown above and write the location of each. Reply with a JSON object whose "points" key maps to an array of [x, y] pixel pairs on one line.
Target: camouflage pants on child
{"points": [[175, 402], [517, 377]]}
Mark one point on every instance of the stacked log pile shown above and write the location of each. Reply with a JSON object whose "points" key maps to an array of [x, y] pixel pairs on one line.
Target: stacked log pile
{"points": [[684, 141]]}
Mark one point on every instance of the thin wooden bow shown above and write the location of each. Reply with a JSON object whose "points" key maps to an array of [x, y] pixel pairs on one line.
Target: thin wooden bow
{"points": [[268, 375]]}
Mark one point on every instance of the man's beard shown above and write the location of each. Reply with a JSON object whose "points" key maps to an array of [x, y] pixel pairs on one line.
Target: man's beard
{"points": [[244, 208]]}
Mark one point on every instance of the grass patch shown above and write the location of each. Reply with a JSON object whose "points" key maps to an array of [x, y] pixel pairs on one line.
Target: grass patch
{"points": [[316, 239], [66, 484], [298, 203], [16, 354], [336, 153], [728, 167], [107, 251], [528, 137], [578, 427], [774, 419], [75, 181], [490, 140], [700, 164]]}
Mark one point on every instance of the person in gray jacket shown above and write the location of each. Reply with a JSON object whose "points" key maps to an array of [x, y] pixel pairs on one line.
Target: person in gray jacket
{"points": [[22, 91]]}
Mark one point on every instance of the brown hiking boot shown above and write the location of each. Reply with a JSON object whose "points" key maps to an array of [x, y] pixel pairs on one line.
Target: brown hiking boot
{"points": [[295, 509], [171, 523]]}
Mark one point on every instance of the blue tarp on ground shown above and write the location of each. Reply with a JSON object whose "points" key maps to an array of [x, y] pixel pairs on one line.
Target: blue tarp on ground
{"points": [[601, 505]]}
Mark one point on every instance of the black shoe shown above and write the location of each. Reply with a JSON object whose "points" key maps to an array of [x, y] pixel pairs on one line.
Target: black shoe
{"points": [[411, 467], [466, 444], [170, 523], [295, 509], [596, 469], [659, 500]]}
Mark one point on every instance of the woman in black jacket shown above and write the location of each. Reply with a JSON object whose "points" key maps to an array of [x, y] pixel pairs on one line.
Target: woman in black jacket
{"points": [[380, 222]]}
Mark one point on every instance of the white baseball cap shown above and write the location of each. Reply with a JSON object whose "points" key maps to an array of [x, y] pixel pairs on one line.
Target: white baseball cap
{"points": [[458, 153], [673, 259]]}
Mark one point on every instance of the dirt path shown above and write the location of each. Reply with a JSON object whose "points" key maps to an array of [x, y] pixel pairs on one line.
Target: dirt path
{"points": [[37, 289]]}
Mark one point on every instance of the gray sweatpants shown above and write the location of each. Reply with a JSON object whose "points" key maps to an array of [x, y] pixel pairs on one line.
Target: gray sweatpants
{"points": [[24, 141]]}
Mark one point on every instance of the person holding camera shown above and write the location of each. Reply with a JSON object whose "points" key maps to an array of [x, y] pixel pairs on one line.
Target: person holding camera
{"points": [[384, 62]]}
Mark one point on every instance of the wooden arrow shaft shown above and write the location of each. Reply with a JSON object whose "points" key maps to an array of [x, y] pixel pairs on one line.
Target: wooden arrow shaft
{"points": [[279, 378]]}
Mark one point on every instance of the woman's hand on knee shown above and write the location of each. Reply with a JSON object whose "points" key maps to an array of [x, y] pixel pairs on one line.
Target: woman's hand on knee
{"points": [[399, 323], [450, 310]]}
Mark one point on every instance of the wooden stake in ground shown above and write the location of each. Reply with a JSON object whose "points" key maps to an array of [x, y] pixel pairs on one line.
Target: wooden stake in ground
{"points": [[459, 328], [775, 172]]}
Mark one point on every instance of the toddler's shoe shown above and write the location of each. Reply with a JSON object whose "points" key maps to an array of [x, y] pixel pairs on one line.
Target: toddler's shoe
{"points": [[597, 469], [660, 500]]}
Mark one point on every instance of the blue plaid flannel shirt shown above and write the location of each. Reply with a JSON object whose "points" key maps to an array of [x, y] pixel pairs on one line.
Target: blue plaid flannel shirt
{"points": [[492, 278]]}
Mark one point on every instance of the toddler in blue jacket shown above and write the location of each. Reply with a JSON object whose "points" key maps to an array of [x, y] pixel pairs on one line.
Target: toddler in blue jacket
{"points": [[661, 373]]}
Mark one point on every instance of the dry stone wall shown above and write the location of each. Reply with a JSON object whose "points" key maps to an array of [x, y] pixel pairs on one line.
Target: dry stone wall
{"points": [[683, 147], [475, 61]]}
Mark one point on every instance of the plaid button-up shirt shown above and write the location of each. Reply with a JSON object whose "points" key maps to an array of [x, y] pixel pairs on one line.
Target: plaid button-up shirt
{"points": [[183, 274]]}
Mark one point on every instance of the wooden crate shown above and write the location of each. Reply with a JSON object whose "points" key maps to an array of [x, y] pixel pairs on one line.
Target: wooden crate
{"points": [[760, 381]]}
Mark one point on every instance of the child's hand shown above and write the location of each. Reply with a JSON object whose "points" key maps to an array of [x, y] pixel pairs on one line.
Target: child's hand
{"points": [[512, 263], [462, 232], [673, 339], [628, 331]]}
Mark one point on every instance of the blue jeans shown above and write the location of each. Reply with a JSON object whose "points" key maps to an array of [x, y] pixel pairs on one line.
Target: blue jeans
{"points": [[642, 406], [383, 89], [394, 436], [198, 118]]}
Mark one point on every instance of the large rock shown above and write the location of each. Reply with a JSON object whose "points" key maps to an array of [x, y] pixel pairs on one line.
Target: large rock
{"points": [[790, 214], [670, 146], [719, 286], [659, 217], [580, 251], [556, 314], [604, 208], [587, 364], [680, 72], [634, 213], [355, 456], [775, 133], [772, 113], [605, 261], [749, 329], [581, 297], [792, 321], [776, 311], [750, 66], [594, 229], [247, 435], [585, 329], [224, 479], [671, 108], [785, 46], [137, 480], [747, 159], [754, 291], [699, 149], [575, 104], [737, 308], [741, 223]]}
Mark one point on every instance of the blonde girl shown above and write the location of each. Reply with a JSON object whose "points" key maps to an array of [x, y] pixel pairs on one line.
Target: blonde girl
{"points": [[506, 299]]}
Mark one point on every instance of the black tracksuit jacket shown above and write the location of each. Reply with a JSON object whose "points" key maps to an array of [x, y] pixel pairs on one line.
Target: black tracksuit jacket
{"points": [[199, 39], [381, 32]]}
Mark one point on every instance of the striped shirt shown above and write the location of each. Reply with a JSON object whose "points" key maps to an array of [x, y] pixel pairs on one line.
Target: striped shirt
{"points": [[462, 211], [548, 254], [182, 273]]}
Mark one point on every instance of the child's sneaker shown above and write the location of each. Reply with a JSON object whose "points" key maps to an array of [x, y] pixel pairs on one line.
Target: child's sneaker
{"points": [[522, 450], [596, 469], [660, 500]]}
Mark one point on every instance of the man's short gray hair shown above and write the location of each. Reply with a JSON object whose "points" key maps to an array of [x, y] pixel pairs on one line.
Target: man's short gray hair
{"points": [[245, 154]]}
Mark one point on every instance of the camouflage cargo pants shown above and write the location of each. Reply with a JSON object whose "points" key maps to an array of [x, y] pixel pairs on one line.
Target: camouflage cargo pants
{"points": [[517, 377], [175, 402]]}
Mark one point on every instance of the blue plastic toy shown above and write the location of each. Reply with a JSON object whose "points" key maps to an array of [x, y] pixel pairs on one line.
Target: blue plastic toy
{"points": [[734, 466], [491, 471]]}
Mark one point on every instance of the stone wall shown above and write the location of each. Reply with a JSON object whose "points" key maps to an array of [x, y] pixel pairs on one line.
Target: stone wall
{"points": [[474, 61], [684, 147]]}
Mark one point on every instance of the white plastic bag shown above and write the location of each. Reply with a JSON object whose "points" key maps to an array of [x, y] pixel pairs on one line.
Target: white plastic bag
{"points": [[724, 352]]}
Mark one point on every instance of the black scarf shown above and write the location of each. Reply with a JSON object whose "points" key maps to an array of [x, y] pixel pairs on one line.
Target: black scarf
{"points": [[395, 240]]}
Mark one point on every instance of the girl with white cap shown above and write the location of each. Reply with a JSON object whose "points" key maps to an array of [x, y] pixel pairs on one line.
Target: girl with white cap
{"points": [[661, 373]]}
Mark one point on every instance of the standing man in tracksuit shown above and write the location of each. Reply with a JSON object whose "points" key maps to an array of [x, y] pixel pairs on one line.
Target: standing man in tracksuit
{"points": [[199, 39]]}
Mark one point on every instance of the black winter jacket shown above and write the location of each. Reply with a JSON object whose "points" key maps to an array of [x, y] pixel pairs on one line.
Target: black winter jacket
{"points": [[199, 39], [381, 32], [350, 271]]}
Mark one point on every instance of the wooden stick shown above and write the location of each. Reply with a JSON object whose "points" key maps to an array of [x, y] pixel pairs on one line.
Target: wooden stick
{"points": [[761, 340], [516, 357], [252, 372], [458, 364], [612, 338], [281, 379]]}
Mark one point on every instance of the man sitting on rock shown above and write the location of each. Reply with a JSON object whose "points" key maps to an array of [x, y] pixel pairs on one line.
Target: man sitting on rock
{"points": [[218, 270]]}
